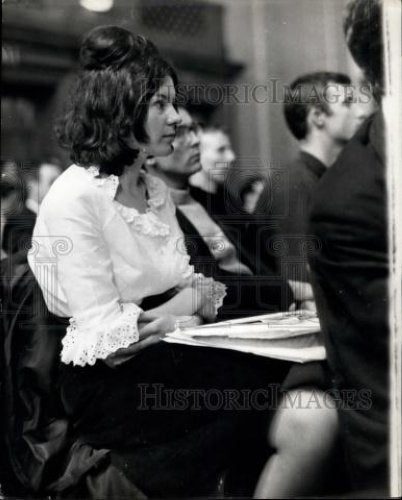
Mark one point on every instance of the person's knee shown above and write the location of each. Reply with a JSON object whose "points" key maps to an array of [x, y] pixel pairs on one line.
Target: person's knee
{"points": [[304, 421]]}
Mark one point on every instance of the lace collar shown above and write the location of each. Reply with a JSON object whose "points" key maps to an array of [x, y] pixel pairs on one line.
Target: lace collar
{"points": [[148, 222], [157, 191]]}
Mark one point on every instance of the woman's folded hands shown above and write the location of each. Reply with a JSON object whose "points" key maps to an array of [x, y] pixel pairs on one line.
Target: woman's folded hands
{"points": [[152, 327], [193, 305]]}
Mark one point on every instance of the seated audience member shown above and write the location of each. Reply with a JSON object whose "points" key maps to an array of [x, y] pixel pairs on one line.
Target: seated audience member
{"points": [[123, 237], [39, 178], [217, 157], [17, 221], [302, 437], [322, 117], [350, 271], [211, 250]]}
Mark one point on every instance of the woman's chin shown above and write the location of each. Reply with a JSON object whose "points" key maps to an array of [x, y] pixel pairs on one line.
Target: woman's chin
{"points": [[164, 150]]}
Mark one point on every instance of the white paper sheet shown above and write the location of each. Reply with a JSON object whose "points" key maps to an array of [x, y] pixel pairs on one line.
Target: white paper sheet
{"points": [[290, 336]]}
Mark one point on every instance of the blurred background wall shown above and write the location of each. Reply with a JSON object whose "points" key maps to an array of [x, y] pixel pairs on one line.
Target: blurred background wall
{"points": [[233, 54]]}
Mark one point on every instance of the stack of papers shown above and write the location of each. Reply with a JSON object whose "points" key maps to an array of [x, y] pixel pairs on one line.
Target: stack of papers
{"points": [[291, 336]]}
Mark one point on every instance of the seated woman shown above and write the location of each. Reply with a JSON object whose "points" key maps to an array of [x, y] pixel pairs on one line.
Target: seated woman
{"points": [[106, 238]]}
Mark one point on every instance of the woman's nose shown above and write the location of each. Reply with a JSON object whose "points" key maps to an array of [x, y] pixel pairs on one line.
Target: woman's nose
{"points": [[195, 138], [174, 117]]}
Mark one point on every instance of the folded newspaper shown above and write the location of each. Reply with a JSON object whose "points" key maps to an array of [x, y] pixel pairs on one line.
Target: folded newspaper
{"points": [[291, 336]]}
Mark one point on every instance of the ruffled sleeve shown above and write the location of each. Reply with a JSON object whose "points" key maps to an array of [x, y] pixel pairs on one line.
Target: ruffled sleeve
{"points": [[84, 345], [101, 324]]}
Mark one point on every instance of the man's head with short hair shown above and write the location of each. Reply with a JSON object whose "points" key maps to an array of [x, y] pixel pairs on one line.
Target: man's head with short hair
{"points": [[316, 94], [217, 154]]}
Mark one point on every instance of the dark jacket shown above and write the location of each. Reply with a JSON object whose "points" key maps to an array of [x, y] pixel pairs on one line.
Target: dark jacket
{"points": [[38, 454], [350, 278], [226, 211], [18, 231], [280, 228]]}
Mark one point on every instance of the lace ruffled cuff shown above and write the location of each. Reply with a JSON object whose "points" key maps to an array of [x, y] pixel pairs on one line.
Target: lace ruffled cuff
{"points": [[217, 295], [83, 346]]}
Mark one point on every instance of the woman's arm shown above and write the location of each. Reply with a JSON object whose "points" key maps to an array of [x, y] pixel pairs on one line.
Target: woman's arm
{"points": [[185, 303], [202, 296], [85, 279]]}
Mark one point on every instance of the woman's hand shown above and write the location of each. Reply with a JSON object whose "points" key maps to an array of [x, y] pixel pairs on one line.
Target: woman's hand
{"points": [[152, 329]]}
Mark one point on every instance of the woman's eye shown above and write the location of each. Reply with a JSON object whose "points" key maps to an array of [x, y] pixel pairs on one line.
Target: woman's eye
{"points": [[160, 105], [349, 100]]}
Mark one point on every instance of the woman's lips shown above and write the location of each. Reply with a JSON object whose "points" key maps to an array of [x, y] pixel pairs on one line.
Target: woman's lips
{"points": [[170, 136]]}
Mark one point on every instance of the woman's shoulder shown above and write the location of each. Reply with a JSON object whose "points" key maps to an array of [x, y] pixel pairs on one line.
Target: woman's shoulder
{"points": [[78, 177], [74, 184]]}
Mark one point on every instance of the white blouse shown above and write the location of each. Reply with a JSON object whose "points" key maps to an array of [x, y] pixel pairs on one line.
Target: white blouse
{"points": [[96, 259]]}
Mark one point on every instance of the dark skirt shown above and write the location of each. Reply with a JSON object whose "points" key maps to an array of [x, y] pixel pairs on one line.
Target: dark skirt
{"points": [[174, 416]]}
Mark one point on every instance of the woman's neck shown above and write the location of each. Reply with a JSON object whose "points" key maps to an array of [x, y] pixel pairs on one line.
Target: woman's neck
{"points": [[130, 178], [132, 191]]}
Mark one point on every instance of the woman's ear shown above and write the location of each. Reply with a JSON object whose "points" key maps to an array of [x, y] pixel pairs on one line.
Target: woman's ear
{"points": [[150, 161]]}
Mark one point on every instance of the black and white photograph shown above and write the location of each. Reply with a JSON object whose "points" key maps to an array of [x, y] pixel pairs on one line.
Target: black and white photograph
{"points": [[201, 249]]}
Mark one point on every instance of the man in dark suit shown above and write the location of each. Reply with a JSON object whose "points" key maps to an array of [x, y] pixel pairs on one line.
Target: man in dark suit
{"points": [[300, 458], [212, 251], [350, 271], [321, 116]]}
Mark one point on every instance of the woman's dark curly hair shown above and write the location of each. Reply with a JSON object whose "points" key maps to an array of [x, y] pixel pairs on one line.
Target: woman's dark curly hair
{"points": [[363, 31], [120, 73]]}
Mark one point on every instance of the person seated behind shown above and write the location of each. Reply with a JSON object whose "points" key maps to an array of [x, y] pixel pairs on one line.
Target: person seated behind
{"points": [[211, 188], [321, 116], [302, 436], [39, 177], [17, 221], [211, 249], [217, 156]]}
